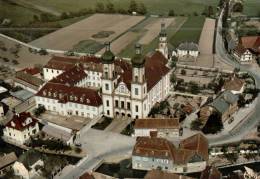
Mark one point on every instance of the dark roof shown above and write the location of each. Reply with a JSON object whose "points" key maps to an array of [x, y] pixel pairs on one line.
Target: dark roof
{"points": [[29, 78], [70, 77], [158, 174], [108, 57], [64, 94], [18, 121], [251, 42], [223, 101], [29, 158], [86, 176], [210, 173], [157, 123], [188, 46]]}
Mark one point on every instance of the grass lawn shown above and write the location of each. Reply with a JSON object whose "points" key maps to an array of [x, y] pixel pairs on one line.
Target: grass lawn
{"points": [[190, 31], [153, 6], [88, 46], [171, 30], [18, 14], [252, 7]]}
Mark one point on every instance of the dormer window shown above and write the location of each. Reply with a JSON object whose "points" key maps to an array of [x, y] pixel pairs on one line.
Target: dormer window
{"points": [[49, 93], [88, 101], [76, 98], [44, 93]]}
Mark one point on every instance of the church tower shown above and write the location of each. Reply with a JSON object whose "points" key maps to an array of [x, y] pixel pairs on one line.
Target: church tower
{"points": [[108, 79], [138, 84], [163, 48]]}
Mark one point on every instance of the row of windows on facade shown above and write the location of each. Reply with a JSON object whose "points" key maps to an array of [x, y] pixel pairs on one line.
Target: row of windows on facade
{"points": [[61, 95], [122, 105], [121, 90], [59, 71], [164, 161], [32, 133], [83, 114]]}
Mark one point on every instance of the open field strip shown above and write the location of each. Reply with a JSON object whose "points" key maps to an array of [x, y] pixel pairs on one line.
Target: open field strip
{"points": [[252, 8], [66, 38], [189, 32], [128, 51], [154, 29], [207, 37]]}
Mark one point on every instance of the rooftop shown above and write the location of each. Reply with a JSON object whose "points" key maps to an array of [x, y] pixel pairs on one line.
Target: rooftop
{"points": [[157, 123], [21, 121], [234, 84], [158, 174], [7, 159], [188, 46]]}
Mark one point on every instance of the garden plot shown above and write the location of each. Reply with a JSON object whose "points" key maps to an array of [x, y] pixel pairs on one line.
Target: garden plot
{"points": [[153, 29], [98, 27]]}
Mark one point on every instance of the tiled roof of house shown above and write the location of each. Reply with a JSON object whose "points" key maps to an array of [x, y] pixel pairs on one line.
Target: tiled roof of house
{"points": [[7, 159], [70, 77], [240, 49], [154, 147], [21, 121], [235, 84], [188, 46], [162, 148], [31, 71], [197, 143], [210, 173], [29, 78], [158, 174], [223, 101], [64, 94], [251, 42], [157, 123]]}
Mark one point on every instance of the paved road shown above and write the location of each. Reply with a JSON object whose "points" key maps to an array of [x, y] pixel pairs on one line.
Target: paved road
{"points": [[253, 120]]}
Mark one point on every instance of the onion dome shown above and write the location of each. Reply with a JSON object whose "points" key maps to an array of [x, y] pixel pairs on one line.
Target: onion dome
{"points": [[108, 57], [138, 60]]}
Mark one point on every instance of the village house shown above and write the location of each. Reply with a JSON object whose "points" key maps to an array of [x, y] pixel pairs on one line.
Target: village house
{"points": [[188, 50], [126, 88], [226, 104], [29, 79], [247, 49], [162, 127], [21, 128], [235, 85], [158, 174], [152, 153], [6, 162]]}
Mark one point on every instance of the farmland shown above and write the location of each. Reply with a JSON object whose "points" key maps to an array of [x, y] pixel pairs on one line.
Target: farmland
{"points": [[98, 28], [252, 7], [190, 31], [153, 6]]}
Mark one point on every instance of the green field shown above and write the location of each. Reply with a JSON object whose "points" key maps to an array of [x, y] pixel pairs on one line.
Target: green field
{"points": [[171, 30], [252, 7], [190, 31], [153, 6], [18, 14]]}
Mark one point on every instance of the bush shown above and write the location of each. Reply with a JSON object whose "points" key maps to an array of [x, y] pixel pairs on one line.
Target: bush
{"points": [[171, 13], [77, 150], [38, 111], [196, 125]]}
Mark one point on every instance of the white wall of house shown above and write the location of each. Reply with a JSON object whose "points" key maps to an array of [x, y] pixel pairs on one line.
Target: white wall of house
{"points": [[182, 53], [20, 170], [94, 79], [48, 73], [246, 57], [161, 132], [1, 110], [20, 136], [69, 108]]}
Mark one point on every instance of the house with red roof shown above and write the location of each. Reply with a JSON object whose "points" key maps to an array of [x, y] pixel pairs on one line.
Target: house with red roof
{"points": [[247, 49], [21, 127]]}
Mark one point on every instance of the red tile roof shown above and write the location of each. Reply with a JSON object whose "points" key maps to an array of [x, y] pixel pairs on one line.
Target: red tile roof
{"points": [[251, 42], [19, 121], [234, 84], [210, 173], [162, 148], [157, 123], [31, 71], [158, 174], [65, 94], [155, 67], [70, 77]]}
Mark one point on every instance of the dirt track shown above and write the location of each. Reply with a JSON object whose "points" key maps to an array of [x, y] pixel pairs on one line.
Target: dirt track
{"points": [[65, 38], [207, 37]]}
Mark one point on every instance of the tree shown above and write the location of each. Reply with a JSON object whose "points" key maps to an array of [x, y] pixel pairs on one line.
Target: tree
{"points": [[142, 9], [196, 125], [171, 12], [35, 18], [214, 124], [64, 15], [183, 72], [238, 7], [210, 11], [132, 7], [194, 88], [110, 7], [173, 78], [100, 7]]}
